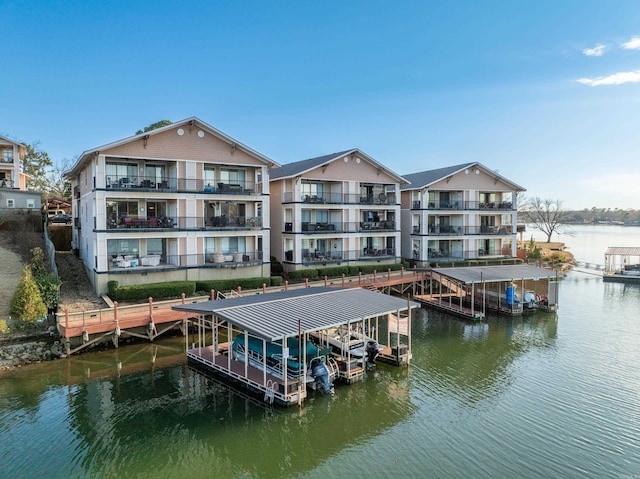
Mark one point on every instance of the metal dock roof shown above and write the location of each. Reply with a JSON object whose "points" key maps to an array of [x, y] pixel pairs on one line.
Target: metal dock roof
{"points": [[275, 316], [623, 251], [495, 274]]}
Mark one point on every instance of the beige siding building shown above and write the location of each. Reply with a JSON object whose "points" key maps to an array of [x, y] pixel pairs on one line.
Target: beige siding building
{"points": [[182, 202], [11, 165], [458, 213], [336, 209]]}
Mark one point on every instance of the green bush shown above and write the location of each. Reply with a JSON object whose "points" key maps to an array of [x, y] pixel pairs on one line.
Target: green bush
{"points": [[170, 289], [231, 284], [4, 327], [276, 268], [311, 274], [277, 280], [333, 271], [48, 283], [27, 304], [49, 286]]}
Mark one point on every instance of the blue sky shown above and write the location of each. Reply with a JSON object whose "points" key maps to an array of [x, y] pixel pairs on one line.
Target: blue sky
{"points": [[545, 92]]}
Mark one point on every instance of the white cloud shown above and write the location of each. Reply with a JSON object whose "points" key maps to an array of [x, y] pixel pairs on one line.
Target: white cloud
{"points": [[633, 44], [596, 51], [615, 79]]}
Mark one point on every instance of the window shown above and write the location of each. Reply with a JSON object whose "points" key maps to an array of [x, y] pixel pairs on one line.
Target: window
{"points": [[312, 189], [322, 216], [232, 245], [209, 176], [122, 247], [156, 246], [7, 155], [118, 171], [31, 203], [235, 177], [119, 209], [11, 203], [209, 246], [154, 173]]}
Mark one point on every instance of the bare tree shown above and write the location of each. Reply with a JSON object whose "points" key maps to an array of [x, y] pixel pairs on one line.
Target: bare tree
{"points": [[546, 215]]}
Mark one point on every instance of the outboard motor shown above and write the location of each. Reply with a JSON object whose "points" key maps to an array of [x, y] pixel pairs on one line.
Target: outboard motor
{"points": [[320, 374], [372, 350]]}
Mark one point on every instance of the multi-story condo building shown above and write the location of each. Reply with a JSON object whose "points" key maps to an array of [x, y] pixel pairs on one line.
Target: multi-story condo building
{"points": [[11, 165], [342, 208], [457, 213], [182, 202]]}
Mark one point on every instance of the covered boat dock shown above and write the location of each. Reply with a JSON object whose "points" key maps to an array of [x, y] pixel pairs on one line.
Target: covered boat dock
{"points": [[622, 265], [264, 342], [469, 292]]}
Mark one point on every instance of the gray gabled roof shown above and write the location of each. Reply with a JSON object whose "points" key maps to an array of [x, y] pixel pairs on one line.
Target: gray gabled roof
{"points": [[9, 140], [275, 316], [496, 274], [424, 179], [192, 120], [298, 168]]}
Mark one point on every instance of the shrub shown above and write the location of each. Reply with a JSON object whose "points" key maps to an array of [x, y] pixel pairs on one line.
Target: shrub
{"points": [[4, 327], [48, 283], [276, 268], [333, 271], [303, 273], [277, 280], [231, 284], [27, 304], [169, 289]]}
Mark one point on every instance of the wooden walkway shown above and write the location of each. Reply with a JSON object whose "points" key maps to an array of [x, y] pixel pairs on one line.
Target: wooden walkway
{"points": [[80, 330], [148, 321]]}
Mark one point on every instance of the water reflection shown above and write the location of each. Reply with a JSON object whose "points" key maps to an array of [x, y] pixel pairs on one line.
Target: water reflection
{"points": [[472, 361], [131, 413]]}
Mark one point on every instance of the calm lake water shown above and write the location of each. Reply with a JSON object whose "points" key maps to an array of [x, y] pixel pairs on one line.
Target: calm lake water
{"points": [[542, 396]]}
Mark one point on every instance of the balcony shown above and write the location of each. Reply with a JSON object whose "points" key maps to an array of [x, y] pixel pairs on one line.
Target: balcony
{"points": [[446, 255], [346, 227], [446, 230], [365, 254], [342, 199], [186, 223], [174, 185], [127, 263], [465, 205], [7, 183]]}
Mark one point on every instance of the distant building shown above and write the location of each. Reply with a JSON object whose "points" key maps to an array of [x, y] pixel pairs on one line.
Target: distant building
{"points": [[182, 202], [460, 212], [12, 164], [337, 209]]}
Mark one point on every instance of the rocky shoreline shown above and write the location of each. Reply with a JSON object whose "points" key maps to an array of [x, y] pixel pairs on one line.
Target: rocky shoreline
{"points": [[30, 352]]}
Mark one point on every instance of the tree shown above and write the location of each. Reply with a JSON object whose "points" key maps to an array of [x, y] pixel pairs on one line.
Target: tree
{"points": [[36, 162], [546, 215], [153, 126], [27, 304], [57, 185]]}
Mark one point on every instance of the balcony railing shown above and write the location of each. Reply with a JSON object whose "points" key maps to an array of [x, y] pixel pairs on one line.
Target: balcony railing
{"points": [[464, 205], [343, 199], [446, 230], [334, 256], [125, 262], [346, 227], [186, 223], [445, 255], [148, 183]]}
